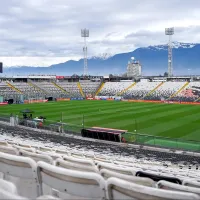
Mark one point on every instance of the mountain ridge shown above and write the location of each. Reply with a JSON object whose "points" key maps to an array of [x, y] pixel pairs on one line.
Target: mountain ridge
{"points": [[153, 60]]}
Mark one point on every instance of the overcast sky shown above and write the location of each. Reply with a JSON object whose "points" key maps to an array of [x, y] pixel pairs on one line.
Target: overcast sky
{"points": [[43, 32]]}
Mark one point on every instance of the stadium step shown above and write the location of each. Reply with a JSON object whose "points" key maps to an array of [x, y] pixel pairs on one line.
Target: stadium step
{"points": [[59, 87], [123, 91], [182, 88], [153, 90], [14, 88], [80, 89], [99, 89], [35, 86]]}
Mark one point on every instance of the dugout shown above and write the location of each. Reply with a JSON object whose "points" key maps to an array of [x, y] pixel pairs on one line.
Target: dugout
{"points": [[103, 134]]}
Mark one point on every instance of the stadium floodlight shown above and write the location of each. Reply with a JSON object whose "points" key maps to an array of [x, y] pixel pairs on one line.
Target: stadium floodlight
{"points": [[169, 32], [85, 34]]}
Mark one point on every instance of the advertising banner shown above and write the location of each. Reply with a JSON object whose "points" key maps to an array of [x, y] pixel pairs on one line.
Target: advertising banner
{"points": [[63, 99], [77, 98], [36, 101], [59, 77], [3, 103]]}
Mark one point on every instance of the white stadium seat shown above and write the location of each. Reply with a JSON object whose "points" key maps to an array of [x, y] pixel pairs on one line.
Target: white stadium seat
{"points": [[120, 189], [9, 150], [172, 186], [71, 184], [117, 168], [191, 183], [22, 172], [35, 156], [139, 180], [8, 186], [5, 195], [75, 166]]}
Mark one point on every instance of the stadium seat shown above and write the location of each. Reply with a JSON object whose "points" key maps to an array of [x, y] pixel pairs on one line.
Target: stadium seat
{"points": [[172, 186], [3, 143], [24, 148], [22, 172], [141, 181], [5, 195], [8, 186], [75, 165], [191, 183], [35, 156], [69, 183], [121, 189], [9, 150], [157, 177], [82, 161], [117, 168]]}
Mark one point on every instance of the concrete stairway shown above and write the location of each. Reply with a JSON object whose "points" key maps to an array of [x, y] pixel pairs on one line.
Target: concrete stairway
{"points": [[14, 88], [123, 91], [152, 91], [180, 90], [99, 89], [80, 89], [60, 88]]}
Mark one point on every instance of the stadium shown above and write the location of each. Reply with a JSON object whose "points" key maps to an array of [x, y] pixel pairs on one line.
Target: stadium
{"points": [[120, 132], [91, 136]]}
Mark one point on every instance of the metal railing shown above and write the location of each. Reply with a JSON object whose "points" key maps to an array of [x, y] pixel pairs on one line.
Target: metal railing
{"points": [[133, 138]]}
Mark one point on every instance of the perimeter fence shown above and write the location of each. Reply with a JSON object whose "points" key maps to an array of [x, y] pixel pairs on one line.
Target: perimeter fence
{"points": [[130, 137]]}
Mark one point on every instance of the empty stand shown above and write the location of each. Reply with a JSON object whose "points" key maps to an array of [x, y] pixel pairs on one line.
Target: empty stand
{"points": [[165, 91], [140, 90], [114, 88]]}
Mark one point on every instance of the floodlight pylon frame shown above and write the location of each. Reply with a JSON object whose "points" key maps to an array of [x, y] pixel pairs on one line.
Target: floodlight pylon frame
{"points": [[85, 34], [170, 32]]}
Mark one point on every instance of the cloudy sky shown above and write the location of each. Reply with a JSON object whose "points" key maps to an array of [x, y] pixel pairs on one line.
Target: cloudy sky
{"points": [[43, 32]]}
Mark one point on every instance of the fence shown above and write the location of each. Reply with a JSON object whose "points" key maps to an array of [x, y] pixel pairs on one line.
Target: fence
{"points": [[133, 138], [157, 141]]}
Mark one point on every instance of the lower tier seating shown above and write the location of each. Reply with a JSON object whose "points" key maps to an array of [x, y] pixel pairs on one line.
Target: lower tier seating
{"points": [[72, 174]]}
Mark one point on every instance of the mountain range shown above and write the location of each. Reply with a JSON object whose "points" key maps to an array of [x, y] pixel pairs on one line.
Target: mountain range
{"points": [[186, 61]]}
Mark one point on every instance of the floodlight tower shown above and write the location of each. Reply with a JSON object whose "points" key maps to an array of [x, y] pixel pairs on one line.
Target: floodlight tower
{"points": [[85, 34], [170, 32]]}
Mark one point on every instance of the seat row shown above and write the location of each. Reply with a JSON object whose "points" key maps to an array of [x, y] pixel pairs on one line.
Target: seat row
{"points": [[34, 180]]}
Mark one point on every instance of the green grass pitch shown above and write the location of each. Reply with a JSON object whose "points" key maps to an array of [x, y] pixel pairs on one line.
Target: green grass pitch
{"points": [[165, 120]]}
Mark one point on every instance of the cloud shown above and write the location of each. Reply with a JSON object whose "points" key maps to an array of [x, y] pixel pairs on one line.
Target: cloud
{"points": [[50, 29]]}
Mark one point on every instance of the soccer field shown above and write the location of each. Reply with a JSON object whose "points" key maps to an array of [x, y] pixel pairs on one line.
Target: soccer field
{"points": [[166, 120]]}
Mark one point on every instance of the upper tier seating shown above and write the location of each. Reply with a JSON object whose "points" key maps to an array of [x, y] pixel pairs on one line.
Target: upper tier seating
{"points": [[7, 92], [28, 90], [50, 89], [165, 91], [190, 93], [114, 88], [71, 88], [140, 90], [89, 87]]}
